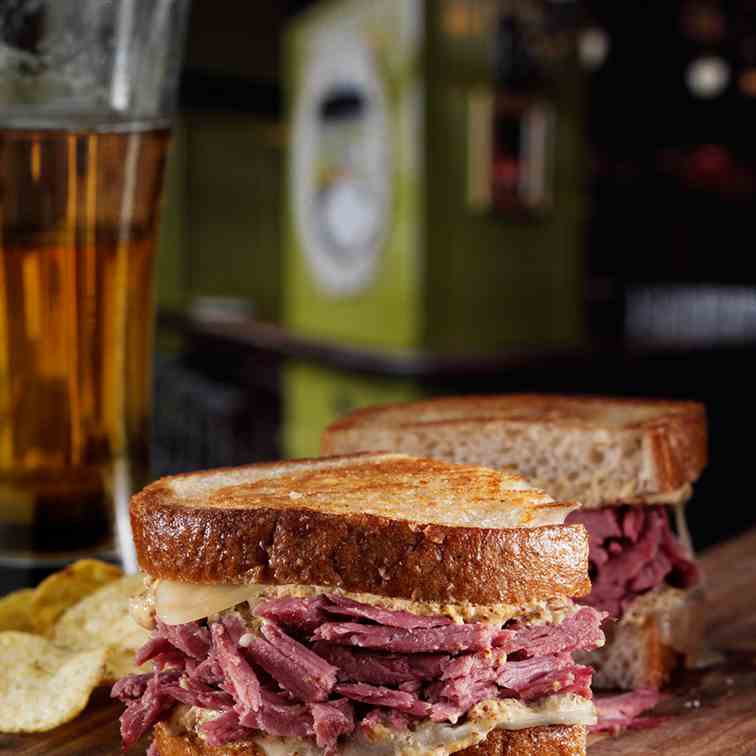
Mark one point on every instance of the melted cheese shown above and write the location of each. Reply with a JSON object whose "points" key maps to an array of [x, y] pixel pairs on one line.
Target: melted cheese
{"points": [[142, 606], [176, 603], [439, 739]]}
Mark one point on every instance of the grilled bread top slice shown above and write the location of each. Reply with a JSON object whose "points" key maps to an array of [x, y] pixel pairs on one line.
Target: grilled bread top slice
{"points": [[595, 450], [386, 524]]}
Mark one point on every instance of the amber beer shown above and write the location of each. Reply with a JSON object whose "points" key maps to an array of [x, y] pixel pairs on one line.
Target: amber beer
{"points": [[78, 225]]}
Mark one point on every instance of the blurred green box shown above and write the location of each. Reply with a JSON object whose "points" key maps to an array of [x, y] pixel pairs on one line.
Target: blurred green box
{"points": [[315, 395], [401, 231], [389, 242]]}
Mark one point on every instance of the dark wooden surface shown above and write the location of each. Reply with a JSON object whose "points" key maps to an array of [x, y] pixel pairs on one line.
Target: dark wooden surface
{"points": [[711, 712], [94, 733]]}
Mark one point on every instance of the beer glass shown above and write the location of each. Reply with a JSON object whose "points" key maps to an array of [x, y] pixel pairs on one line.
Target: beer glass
{"points": [[87, 89]]}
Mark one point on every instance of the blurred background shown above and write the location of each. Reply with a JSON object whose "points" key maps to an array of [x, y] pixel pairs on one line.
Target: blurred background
{"points": [[378, 201]]}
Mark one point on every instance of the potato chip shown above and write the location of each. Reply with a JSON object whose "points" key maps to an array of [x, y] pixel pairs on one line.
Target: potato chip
{"points": [[43, 686], [102, 620], [63, 589], [15, 611]]}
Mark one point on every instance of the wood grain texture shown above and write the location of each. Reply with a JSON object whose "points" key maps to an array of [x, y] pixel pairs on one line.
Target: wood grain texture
{"points": [[723, 723], [712, 712], [94, 733], [730, 579]]}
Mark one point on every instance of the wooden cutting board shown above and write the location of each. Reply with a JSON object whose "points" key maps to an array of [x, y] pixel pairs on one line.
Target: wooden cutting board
{"points": [[712, 712]]}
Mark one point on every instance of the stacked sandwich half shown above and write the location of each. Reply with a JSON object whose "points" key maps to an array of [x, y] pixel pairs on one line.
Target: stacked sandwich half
{"points": [[631, 464], [367, 604]]}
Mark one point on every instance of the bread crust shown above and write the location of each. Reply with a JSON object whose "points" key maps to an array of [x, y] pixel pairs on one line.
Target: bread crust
{"points": [[359, 553], [191, 745], [556, 740], [657, 660], [662, 659], [674, 432], [679, 447]]}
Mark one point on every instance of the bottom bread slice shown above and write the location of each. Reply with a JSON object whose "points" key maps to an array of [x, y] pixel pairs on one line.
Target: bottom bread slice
{"points": [[553, 740], [658, 631], [636, 658]]}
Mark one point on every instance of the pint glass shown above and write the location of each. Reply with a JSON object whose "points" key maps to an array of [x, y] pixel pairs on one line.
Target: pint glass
{"points": [[87, 89]]}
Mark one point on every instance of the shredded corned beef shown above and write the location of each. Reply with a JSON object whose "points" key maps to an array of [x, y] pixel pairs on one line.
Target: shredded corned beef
{"points": [[133, 687], [331, 720], [340, 605], [379, 696], [452, 638], [574, 680], [621, 712], [143, 712], [632, 549], [391, 718], [301, 672], [539, 640], [383, 669], [293, 612], [279, 716], [322, 667], [192, 639], [239, 679], [224, 729]]}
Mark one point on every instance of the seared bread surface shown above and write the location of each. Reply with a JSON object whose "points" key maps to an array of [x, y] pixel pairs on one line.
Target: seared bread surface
{"points": [[596, 450], [554, 740]]}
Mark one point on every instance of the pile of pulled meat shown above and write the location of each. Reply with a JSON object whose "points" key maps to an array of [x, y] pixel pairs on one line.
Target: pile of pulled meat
{"points": [[632, 550], [323, 667]]}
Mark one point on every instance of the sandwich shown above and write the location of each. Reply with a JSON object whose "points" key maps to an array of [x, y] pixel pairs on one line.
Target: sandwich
{"points": [[364, 604], [630, 463]]}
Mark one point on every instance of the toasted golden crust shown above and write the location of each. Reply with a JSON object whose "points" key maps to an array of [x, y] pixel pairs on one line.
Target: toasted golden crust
{"points": [[287, 523], [679, 444], [670, 436], [662, 660], [567, 410], [557, 740], [361, 553], [191, 745], [397, 486]]}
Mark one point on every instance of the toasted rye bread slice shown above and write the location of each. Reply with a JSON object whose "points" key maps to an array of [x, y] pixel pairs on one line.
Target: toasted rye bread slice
{"points": [[556, 740], [387, 524], [635, 657], [594, 450], [658, 630]]}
